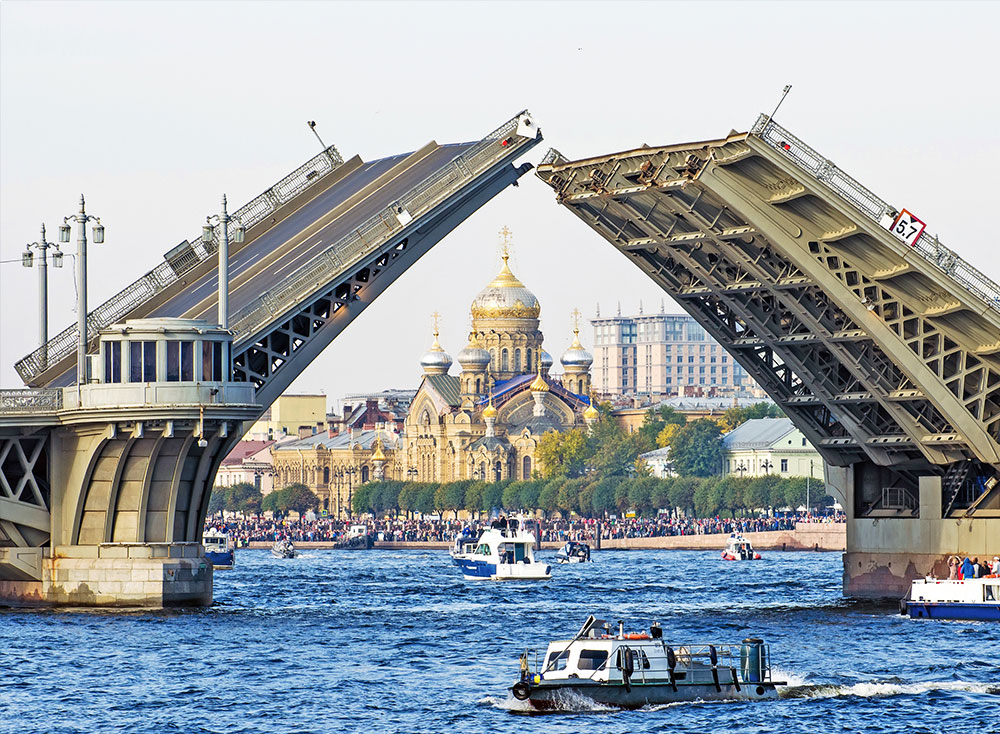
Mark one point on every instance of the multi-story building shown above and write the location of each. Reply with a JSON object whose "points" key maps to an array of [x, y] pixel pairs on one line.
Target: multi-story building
{"points": [[291, 415], [662, 354]]}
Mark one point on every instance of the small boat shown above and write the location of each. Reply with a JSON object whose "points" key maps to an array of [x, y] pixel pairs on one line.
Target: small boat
{"points": [[464, 546], [358, 538], [738, 548], [502, 555], [218, 548], [573, 552], [630, 671], [283, 549], [954, 599]]}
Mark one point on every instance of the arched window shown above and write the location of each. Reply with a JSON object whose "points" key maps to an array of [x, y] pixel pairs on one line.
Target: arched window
{"points": [[504, 364], [326, 475], [482, 471], [517, 360], [526, 468], [529, 366], [364, 474], [497, 472], [478, 386], [493, 359]]}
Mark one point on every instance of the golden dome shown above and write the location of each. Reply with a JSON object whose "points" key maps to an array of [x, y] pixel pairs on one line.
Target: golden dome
{"points": [[505, 298], [539, 385], [591, 413], [489, 411], [378, 455]]}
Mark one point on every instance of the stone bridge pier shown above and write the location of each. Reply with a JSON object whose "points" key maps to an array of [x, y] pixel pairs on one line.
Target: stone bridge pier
{"points": [[104, 488]]}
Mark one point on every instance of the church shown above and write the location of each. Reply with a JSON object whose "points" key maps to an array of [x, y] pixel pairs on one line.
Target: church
{"points": [[485, 421]]}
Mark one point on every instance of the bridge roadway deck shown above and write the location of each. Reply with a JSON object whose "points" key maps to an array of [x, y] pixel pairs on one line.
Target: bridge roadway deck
{"points": [[301, 235]]}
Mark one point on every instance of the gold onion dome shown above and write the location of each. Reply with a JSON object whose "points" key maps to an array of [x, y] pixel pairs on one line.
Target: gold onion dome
{"points": [[489, 411], [378, 455], [473, 357], [538, 384], [591, 413], [576, 355], [505, 298]]}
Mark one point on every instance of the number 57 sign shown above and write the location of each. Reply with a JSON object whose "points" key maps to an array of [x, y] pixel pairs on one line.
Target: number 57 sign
{"points": [[907, 227]]}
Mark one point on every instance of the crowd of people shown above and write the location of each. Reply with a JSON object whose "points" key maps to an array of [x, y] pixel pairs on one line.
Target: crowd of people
{"points": [[971, 568], [244, 530]]}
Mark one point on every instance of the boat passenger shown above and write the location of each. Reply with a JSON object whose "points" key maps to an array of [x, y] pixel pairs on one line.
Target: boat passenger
{"points": [[995, 568], [953, 564], [977, 570], [968, 572]]}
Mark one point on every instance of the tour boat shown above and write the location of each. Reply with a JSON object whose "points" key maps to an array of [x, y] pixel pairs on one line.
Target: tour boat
{"points": [[630, 671], [954, 599], [283, 549], [573, 552], [218, 548], [502, 555], [738, 548]]}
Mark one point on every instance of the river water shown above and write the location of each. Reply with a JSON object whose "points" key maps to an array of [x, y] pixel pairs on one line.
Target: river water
{"points": [[396, 641]]}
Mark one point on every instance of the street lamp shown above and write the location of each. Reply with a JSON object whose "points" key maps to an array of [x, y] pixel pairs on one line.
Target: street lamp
{"points": [[222, 220], [411, 473], [741, 468], [766, 465], [81, 218], [27, 259], [351, 471]]}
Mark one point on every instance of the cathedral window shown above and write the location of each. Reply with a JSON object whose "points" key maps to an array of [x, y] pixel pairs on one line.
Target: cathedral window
{"points": [[478, 386], [526, 468], [517, 360], [504, 362], [528, 364]]}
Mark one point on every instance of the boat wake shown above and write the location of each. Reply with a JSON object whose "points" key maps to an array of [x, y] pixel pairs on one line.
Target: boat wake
{"points": [[876, 689], [569, 702]]}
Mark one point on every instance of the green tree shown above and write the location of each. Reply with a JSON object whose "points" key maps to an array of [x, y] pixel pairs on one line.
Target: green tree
{"points": [[562, 454], [682, 491], [474, 498], [759, 494], [654, 422], [407, 498], [736, 416], [603, 498], [697, 449], [529, 492], [548, 496], [492, 497], [425, 498], [297, 498]]}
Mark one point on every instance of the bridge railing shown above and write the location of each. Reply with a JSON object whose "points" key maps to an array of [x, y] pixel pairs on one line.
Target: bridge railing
{"points": [[178, 263], [866, 202], [373, 233], [31, 400]]}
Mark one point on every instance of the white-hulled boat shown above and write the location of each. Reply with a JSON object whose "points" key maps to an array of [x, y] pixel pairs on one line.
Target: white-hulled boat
{"points": [[502, 555], [573, 552], [738, 548], [283, 549], [954, 599], [464, 546], [630, 671], [218, 548]]}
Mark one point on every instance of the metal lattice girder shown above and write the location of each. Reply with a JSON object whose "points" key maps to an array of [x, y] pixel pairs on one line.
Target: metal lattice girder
{"points": [[24, 490], [875, 350]]}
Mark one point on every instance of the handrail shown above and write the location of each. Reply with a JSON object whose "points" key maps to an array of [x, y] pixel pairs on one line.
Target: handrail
{"points": [[373, 233], [178, 263], [31, 400], [866, 202]]}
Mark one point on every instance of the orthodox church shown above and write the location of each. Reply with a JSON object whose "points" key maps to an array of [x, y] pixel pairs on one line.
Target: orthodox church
{"points": [[485, 421]]}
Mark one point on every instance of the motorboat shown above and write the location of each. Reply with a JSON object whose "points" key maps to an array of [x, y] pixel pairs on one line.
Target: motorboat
{"points": [[573, 552], [357, 538], [218, 548], [954, 598], [632, 670], [283, 549], [502, 555], [738, 548], [464, 546]]}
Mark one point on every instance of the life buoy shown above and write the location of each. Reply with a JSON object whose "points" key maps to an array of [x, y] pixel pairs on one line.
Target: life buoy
{"points": [[636, 636]]}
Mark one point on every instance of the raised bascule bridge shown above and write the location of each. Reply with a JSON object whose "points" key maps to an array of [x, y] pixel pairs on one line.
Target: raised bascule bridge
{"points": [[104, 486], [881, 344]]}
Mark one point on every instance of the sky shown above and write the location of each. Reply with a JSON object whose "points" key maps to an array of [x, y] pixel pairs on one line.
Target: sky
{"points": [[153, 110]]}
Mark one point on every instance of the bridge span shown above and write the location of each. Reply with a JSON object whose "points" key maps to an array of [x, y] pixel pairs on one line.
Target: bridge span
{"points": [[104, 487], [881, 344]]}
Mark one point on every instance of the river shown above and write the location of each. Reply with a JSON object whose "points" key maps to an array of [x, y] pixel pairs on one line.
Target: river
{"points": [[396, 641]]}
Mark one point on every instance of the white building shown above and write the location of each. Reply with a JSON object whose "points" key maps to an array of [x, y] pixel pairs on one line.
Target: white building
{"points": [[770, 446], [658, 461]]}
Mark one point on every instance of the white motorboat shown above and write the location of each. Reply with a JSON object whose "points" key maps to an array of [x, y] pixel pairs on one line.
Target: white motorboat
{"points": [[502, 555], [573, 552], [283, 549], [464, 546], [738, 548], [630, 671], [218, 548], [954, 598]]}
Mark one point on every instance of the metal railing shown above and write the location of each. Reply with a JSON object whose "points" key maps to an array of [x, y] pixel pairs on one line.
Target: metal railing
{"points": [[898, 498], [373, 233], [866, 202], [31, 400], [177, 264]]}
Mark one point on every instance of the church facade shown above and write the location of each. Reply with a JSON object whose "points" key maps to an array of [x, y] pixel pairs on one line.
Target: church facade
{"points": [[485, 421]]}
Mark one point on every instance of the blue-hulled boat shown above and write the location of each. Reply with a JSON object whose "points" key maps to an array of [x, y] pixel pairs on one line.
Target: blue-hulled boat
{"points": [[218, 548], [972, 599], [501, 555]]}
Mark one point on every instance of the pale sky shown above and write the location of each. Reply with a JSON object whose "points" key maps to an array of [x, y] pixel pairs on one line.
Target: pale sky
{"points": [[153, 110]]}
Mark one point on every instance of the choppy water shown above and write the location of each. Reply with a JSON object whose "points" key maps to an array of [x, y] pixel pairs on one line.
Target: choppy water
{"points": [[396, 641]]}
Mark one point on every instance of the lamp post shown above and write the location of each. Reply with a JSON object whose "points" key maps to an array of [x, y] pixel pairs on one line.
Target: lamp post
{"points": [[766, 465], [339, 482], [741, 468], [808, 479], [351, 471], [411, 474], [81, 218], [27, 259], [222, 221]]}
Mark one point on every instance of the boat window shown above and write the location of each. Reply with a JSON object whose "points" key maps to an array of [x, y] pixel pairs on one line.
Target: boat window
{"points": [[557, 660], [519, 552], [992, 593], [639, 659], [483, 550], [592, 659]]}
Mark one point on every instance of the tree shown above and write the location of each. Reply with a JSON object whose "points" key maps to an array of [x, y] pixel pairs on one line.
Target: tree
{"points": [[425, 498], [217, 502], [666, 437], [548, 496], [697, 449], [492, 497], [603, 499], [738, 415], [655, 421], [407, 498], [474, 498], [297, 498], [562, 454]]}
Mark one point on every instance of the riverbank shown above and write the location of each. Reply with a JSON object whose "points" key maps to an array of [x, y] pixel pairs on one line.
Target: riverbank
{"points": [[805, 536]]}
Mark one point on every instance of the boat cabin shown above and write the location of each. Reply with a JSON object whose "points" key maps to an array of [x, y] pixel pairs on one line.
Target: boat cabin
{"points": [[949, 591]]}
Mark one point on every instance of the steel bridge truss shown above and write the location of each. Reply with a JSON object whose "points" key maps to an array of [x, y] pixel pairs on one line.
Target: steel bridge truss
{"points": [[875, 351]]}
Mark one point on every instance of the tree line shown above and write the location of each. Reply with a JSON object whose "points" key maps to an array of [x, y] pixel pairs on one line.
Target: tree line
{"points": [[727, 496]]}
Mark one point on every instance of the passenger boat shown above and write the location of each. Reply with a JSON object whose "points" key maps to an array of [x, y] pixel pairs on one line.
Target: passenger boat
{"points": [[464, 546], [954, 599], [283, 549], [738, 548], [630, 671], [573, 552], [502, 555], [218, 548]]}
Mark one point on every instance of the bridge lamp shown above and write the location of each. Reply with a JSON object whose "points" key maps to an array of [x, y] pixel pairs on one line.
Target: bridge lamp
{"points": [[27, 257], [207, 233], [64, 233], [98, 234]]}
